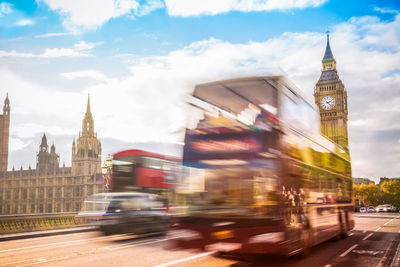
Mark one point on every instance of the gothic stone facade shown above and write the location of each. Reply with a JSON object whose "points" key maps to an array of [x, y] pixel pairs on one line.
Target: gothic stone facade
{"points": [[331, 98], [50, 188]]}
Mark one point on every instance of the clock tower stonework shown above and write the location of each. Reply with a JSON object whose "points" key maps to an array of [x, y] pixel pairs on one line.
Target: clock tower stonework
{"points": [[331, 98]]}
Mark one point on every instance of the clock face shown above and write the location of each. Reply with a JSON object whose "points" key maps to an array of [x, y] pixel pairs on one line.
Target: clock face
{"points": [[327, 102]]}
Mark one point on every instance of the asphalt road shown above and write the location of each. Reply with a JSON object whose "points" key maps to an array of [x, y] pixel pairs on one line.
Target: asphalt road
{"points": [[373, 242]]}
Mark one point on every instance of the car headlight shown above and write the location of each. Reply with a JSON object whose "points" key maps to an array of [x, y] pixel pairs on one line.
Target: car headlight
{"points": [[187, 234], [267, 238]]}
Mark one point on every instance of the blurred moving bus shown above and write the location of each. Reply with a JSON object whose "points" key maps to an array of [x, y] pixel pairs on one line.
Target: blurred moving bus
{"points": [[141, 171], [258, 175]]}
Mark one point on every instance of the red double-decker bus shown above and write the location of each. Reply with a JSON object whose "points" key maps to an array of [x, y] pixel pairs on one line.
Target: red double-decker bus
{"points": [[141, 171], [258, 175]]}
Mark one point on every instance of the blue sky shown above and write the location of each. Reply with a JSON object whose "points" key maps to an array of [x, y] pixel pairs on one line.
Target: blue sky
{"points": [[138, 60]]}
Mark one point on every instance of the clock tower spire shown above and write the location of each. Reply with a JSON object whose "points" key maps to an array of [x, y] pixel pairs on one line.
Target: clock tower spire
{"points": [[331, 98]]}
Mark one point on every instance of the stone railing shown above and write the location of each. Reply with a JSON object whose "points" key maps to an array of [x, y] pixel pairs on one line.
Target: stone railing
{"points": [[35, 222]]}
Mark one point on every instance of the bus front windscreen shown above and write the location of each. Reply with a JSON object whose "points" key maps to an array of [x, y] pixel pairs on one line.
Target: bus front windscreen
{"points": [[231, 191]]}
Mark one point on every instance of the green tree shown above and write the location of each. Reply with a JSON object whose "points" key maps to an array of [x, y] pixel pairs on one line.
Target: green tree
{"points": [[391, 188], [369, 195]]}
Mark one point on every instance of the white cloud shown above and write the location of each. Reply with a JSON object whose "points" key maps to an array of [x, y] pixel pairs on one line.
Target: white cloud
{"points": [[84, 46], [25, 22], [148, 7], [5, 8], [92, 74], [150, 36], [385, 10], [186, 8], [53, 34], [91, 14], [16, 144], [63, 52], [81, 49]]}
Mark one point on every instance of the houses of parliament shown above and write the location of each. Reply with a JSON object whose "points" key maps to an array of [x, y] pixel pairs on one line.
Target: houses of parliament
{"points": [[49, 187]]}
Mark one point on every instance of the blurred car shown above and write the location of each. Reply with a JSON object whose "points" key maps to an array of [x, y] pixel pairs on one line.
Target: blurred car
{"points": [[379, 208], [384, 208], [387, 207], [136, 213], [371, 209], [362, 209]]}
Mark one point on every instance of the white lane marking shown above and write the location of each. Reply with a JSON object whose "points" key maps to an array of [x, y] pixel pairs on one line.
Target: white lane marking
{"points": [[364, 231], [15, 262], [45, 261], [366, 237], [379, 228], [347, 251], [51, 244], [369, 252], [135, 244], [351, 234], [130, 244], [184, 259]]}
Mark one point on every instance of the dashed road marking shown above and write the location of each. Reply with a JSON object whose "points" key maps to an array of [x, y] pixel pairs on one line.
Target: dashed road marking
{"points": [[43, 261], [55, 244], [379, 228], [135, 244], [15, 262], [366, 237], [370, 252], [185, 259], [347, 251]]}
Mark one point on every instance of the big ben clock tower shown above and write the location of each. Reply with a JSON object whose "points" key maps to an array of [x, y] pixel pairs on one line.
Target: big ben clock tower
{"points": [[331, 98]]}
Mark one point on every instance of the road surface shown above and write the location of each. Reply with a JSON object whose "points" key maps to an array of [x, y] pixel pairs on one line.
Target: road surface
{"points": [[373, 242]]}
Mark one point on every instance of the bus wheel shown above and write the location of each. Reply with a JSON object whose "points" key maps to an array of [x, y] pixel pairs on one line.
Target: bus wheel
{"points": [[306, 242], [344, 226]]}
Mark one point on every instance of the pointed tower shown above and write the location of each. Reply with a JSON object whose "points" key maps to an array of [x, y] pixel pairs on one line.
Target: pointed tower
{"points": [[4, 134], [331, 98], [54, 158], [87, 123], [47, 161], [86, 152], [43, 157]]}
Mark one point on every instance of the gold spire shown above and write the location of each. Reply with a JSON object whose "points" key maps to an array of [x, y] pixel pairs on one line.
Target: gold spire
{"points": [[88, 105]]}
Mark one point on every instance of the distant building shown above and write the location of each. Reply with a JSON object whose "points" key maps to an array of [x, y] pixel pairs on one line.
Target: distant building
{"points": [[50, 188], [360, 181], [4, 134]]}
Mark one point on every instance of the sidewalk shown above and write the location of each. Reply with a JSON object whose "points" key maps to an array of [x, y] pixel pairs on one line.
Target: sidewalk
{"points": [[46, 233]]}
